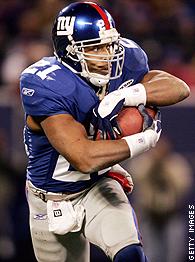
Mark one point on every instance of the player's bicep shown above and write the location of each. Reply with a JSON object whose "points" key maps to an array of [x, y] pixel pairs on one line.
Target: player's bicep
{"points": [[65, 134], [153, 75]]}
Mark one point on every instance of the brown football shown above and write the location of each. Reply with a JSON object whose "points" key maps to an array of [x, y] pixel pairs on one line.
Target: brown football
{"points": [[130, 120]]}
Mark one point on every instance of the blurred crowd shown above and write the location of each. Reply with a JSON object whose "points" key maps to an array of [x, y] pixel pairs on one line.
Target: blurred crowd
{"points": [[165, 29]]}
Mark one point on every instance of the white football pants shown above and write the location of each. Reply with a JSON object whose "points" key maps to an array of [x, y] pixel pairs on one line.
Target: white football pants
{"points": [[109, 223]]}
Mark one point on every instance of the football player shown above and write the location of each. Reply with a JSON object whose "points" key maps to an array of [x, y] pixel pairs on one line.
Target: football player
{"points": [[76, 189]]}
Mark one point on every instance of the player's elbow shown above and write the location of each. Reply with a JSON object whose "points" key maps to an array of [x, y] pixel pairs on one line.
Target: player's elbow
{"points": [[84, 162], [183, 89], [83, 157], [85, 169], [85, 165]]}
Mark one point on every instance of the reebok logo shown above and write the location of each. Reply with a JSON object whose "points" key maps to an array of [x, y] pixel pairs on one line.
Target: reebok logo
{"points": [[27, 91], [57, 213]]}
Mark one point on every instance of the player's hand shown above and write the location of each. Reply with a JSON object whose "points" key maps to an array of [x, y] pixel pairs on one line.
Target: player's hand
{"points": [[104, 119], [124, 179], [143, 141], [118, 173], [151, 127], [147, 119], [133, 95]]}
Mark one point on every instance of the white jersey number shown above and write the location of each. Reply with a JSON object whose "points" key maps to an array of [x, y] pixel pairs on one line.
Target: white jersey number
{"points": [[41, 73]]}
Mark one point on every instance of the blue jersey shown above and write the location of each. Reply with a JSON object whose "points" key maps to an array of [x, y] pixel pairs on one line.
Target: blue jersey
{"points": [[50, 88]]}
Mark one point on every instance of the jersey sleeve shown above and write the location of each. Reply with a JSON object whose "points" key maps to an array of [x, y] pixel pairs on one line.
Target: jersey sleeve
{"points": [[39, 100], [136, 60]]}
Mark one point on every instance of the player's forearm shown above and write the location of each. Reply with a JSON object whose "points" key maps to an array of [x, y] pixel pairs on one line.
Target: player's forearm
{"points": [[70, 139], [85, 155], [163, 89], [93, 156]]}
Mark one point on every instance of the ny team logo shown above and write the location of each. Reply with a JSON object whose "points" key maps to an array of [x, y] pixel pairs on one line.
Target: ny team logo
{"points": [[100, 24], [65, 25]]}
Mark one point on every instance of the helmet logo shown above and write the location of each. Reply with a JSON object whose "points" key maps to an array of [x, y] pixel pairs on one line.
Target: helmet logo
{"points": [[100, 24], [65, 25]]}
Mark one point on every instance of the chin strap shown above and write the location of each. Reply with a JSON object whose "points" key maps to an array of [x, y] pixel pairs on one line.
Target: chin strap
{"points": [[101, 92], [96, 80]]}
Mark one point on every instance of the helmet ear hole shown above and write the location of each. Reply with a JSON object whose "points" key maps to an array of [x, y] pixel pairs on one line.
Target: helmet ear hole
{"points": [[70, 49]]}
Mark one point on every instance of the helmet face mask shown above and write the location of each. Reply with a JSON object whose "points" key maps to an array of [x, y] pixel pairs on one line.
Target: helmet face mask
{"points": [[88, 29]]}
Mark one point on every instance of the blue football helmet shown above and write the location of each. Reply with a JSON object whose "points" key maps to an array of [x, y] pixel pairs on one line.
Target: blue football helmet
{"points": [[82, 25]]}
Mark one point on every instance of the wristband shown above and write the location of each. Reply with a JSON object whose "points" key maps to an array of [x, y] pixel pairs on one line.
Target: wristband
{"points": [[134, 95], [137, 144]]}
